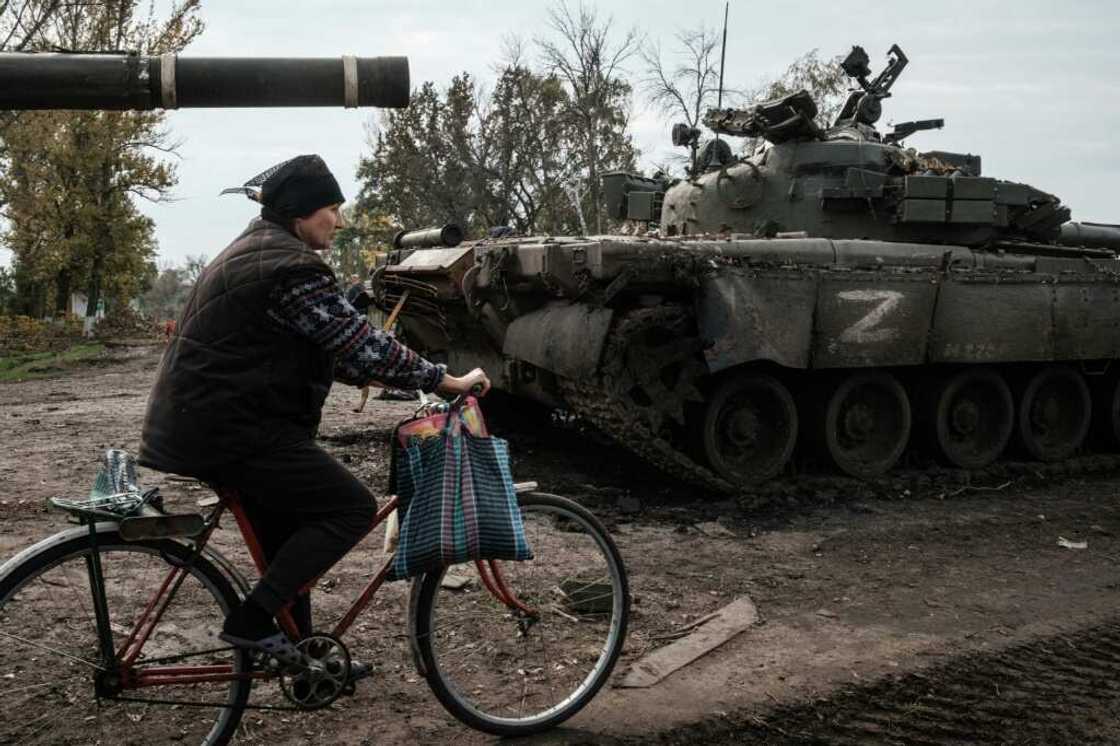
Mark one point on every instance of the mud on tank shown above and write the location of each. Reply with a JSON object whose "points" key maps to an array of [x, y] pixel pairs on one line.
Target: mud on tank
{"points": [[834, 294]]}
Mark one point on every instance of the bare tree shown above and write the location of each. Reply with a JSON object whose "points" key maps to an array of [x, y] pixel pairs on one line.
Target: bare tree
{"points": [[688, 88], [22, 23], [587, 57]]}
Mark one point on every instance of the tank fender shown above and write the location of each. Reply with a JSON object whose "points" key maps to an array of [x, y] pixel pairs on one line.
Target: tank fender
{"points": [[563, 338], [747, 316]]}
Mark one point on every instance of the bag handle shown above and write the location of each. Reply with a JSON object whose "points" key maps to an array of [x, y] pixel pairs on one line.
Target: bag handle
{"points": [[453, 426]]}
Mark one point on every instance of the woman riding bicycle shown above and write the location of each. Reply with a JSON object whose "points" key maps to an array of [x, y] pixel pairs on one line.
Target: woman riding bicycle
{"points": [[240, 391]]}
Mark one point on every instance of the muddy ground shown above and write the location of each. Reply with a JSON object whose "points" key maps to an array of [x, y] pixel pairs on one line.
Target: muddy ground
{"points": [[927, 609]]}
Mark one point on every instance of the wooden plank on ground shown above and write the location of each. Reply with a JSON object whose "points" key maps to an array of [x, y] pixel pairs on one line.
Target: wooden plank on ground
{"points": [[720, 627]]}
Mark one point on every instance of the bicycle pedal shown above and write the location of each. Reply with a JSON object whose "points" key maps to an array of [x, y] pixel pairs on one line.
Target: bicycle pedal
{"points": [[261, 661]]}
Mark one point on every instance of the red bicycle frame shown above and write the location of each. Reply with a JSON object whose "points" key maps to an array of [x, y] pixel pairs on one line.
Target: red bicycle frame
{"points": [[154, 675]]}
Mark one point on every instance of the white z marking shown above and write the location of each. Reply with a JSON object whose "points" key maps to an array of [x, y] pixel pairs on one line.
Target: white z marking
{"points": [[864, 331]]}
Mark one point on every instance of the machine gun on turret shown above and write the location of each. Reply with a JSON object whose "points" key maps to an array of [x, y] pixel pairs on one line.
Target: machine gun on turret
{"points": [[903, 130], [865, 106], [792, 117]]}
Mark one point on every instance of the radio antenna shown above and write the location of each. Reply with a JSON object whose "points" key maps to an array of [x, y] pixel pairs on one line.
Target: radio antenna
{"points": [[723, 55]]}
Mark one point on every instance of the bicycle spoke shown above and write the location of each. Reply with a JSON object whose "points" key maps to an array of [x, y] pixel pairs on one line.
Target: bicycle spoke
{"points": [[41, 685], [524, 685], [511, 674], [543, 637], [53, 651], [27, 738], [48, 614]]}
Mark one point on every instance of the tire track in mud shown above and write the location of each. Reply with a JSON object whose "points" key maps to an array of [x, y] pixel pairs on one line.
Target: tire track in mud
{"points": [[1058, 690]]}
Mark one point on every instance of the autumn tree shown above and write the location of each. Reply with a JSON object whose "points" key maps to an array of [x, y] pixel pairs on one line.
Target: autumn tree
{"points": [[513, 154], [525, 150], [587, 56], [421, 170], [22, 28], [364, 235], [165, 298], [478, 160], [69, 178], [7, 290], [169, 288]]}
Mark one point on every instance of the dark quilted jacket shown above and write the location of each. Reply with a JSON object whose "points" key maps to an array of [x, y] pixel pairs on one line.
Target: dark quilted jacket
{"points": [[232, 382]]}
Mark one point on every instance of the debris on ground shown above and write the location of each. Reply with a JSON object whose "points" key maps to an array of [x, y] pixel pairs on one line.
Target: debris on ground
{"points": [[710, 632], [715, 529]]}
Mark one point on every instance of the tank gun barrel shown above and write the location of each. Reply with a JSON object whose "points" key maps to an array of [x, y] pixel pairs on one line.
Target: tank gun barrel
{"points": [[425, 238], [1090, 235], [121, 81]]}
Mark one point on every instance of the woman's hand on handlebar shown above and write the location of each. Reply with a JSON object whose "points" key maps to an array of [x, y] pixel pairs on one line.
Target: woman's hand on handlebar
{"points": [[476, 382]]}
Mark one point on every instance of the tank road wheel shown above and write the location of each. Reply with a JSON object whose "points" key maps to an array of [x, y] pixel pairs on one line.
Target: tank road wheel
{"points": [[867, 423], [974, 414], [1106, 411], [750, 428], [1054, 413]]}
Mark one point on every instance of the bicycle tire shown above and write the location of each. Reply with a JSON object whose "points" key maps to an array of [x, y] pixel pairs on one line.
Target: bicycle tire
{"points": [[472, 649], [48, 648]]}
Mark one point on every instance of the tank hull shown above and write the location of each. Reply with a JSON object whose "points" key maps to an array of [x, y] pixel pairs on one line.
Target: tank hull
{"points": [[644, 337]]}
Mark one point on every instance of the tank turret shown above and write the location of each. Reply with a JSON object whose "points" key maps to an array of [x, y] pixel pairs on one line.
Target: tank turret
{"points": [[135, 81], [850, 181]]}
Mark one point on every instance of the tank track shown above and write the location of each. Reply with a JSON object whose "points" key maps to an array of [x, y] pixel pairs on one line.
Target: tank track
{"points": [[647, 352], [630, 428]]}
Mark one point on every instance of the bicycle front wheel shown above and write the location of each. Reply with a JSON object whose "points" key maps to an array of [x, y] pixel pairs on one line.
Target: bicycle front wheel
{"points": [[56, 685], [520, 668]]}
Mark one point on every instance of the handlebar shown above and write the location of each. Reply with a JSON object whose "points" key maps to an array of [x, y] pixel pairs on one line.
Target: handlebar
{"points": [[432, 407]]}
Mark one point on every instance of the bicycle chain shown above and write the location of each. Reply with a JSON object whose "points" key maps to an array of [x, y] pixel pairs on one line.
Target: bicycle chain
{"points": [[190, 703]]}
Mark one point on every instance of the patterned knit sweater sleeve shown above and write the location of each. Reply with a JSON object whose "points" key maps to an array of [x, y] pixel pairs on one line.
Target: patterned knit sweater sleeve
{"points": [[311, 306]]}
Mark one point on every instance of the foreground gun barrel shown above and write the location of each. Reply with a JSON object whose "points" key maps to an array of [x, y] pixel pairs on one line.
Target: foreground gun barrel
{"points": [[134, 81], [1090, 235], [449, 235]]}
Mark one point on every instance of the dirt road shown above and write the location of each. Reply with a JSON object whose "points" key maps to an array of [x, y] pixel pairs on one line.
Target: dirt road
{"points": [[947, 615]]}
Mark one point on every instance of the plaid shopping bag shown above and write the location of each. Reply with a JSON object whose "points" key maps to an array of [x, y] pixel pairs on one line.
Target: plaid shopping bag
{"points": [[457, 501]]}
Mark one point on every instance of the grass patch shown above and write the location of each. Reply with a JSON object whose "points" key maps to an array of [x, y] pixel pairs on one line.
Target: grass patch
{"points": [[23, 366]]}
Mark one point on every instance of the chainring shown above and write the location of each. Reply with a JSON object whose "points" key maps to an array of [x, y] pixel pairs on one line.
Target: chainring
{"points": [[325, 677]]}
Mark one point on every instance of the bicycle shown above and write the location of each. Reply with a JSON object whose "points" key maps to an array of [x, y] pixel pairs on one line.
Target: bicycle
{"points": [[108, 620]]}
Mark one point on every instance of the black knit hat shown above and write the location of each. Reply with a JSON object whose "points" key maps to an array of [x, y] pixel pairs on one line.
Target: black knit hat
{"points": [[299, 187]]}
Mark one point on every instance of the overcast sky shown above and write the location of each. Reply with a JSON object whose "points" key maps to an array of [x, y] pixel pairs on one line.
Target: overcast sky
{"points": [[1031, 86]]}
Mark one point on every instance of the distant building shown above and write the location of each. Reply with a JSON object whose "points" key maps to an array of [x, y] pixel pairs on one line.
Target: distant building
{"points": [[79, 303]]}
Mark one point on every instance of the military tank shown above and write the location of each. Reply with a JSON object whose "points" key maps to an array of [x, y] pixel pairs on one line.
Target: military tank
{"points": [[832, 294]]}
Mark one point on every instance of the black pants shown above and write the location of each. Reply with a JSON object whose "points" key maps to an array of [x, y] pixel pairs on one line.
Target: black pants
{"points": [[308, 511]]}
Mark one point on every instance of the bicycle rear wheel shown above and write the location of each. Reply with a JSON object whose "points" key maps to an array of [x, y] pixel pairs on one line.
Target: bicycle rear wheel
{"points": [[507, 673], [50, 656]]}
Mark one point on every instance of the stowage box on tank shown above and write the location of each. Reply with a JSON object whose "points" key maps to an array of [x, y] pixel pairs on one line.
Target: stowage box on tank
{"points": [[833, 292]]}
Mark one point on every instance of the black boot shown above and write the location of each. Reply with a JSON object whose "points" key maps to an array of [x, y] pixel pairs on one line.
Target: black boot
{"points": [[251, 627]]}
